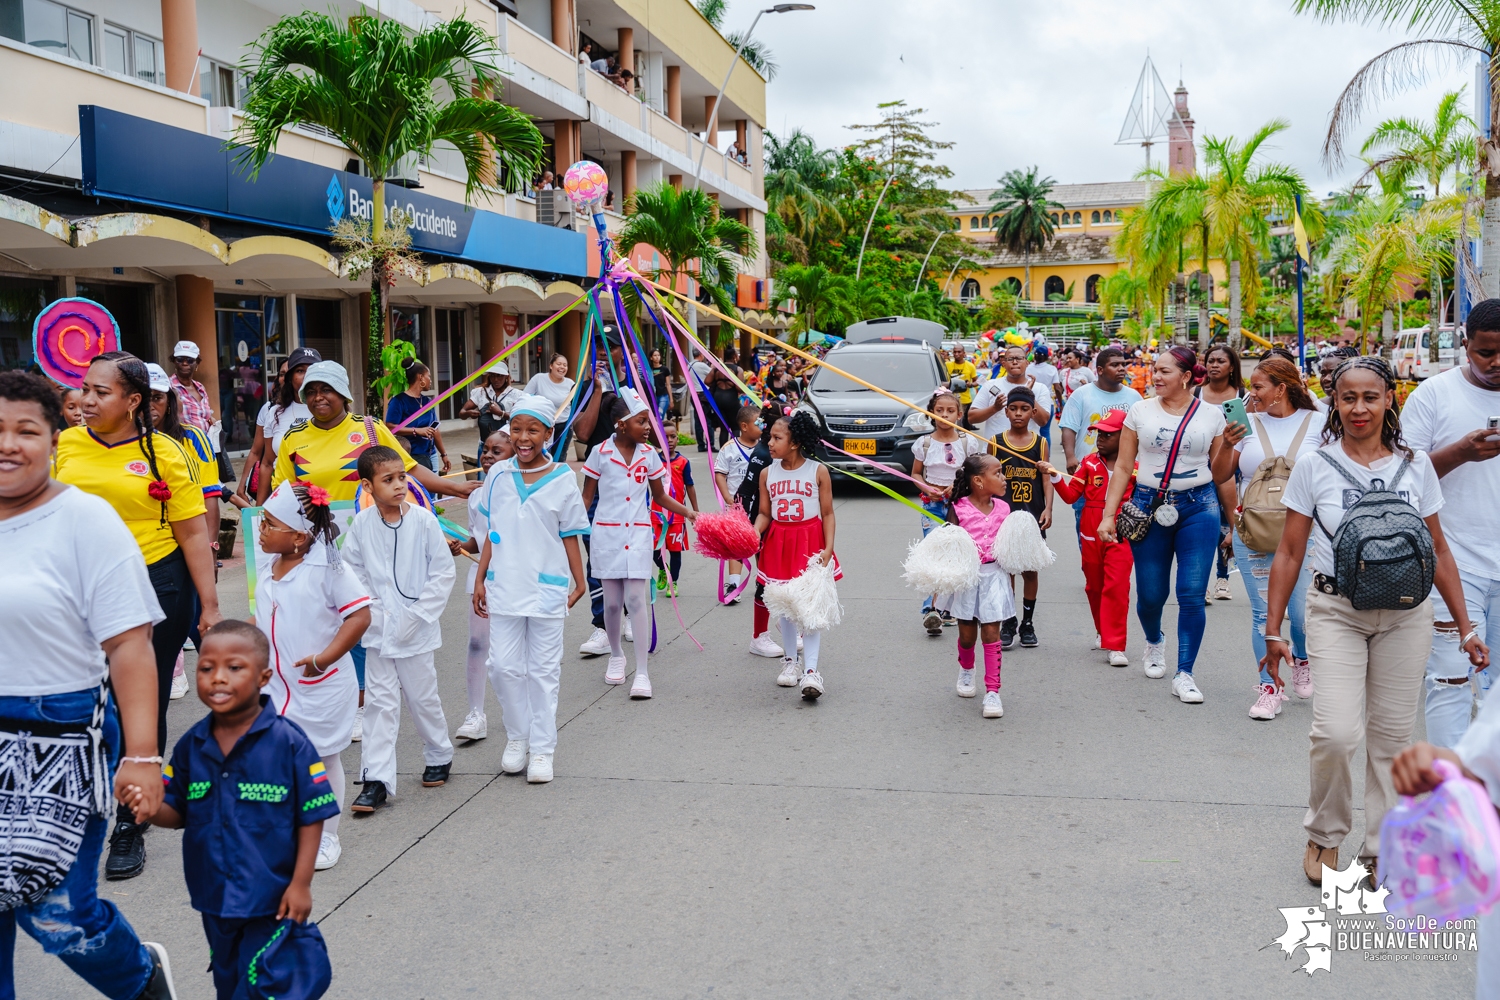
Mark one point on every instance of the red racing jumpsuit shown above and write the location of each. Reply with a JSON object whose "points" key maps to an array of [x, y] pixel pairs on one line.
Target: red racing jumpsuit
{"points": [[1106, 565]]}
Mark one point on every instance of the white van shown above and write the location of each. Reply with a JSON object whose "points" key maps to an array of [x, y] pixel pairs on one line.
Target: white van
{"points": [[1410, 356]]}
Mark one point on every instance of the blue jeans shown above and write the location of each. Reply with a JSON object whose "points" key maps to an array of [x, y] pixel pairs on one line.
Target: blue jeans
{"points": [[1255, 570], [940, 508], [89, 934], [1192, 541], [1077, 506], [1448, 706]]}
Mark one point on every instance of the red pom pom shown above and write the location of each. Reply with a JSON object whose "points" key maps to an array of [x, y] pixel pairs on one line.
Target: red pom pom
{"points": [[159, 491], [726, 535]]}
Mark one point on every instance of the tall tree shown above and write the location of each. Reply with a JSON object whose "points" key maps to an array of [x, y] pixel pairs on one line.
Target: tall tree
{"points": [[820, 295], [1024, 205], [1403, 148], [1472, 28], [693, 239], [388, 95]]}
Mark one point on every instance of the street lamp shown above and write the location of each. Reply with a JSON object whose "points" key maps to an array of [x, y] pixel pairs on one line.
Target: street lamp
{"points": [[781, 8]]}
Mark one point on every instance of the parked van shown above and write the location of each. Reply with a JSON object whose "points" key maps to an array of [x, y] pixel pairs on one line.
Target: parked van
{"points": [[1410, 355]]}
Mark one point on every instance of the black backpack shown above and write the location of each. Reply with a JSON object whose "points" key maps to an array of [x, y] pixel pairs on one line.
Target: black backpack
{"points": [[749, 491], [1382, 551]]}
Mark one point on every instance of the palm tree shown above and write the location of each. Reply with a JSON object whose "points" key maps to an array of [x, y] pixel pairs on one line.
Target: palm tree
{"points": [[755, 54], [1406, 147], [693, 239], [1471, 28], [387, 95], [801, 185], [821, 295], [1025, 209]]}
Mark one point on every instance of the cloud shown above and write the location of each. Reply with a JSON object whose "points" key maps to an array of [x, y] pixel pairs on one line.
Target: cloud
{"points": [[1015, 83]]}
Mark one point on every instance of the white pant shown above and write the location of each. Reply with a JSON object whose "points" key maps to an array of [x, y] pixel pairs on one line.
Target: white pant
{"points": [[387, 682], [1451, 706], [526, 669]]}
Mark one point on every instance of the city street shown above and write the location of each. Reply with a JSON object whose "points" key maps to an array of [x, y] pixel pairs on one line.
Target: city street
{"points": [[728, 839]]}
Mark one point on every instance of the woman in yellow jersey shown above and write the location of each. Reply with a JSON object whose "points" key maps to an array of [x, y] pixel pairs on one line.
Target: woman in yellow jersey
{"points": [[166, 419], [150, 481]]}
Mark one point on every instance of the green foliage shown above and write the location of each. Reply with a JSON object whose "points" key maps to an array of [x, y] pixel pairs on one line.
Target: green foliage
{"points": [[1406, 148], [821, 297], [1000, 311], [694, 240], [1024, 204], [391, 356]]}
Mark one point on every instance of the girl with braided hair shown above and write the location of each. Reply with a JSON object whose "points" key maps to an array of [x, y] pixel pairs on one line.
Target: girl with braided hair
{"points": [[149, 479], [795, 521], [313, 611]]}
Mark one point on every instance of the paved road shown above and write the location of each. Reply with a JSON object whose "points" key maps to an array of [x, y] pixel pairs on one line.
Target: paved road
{"points": [[727, 839]]}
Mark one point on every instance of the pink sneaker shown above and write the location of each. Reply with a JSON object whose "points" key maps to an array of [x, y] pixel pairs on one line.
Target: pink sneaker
{"points": [[1302, 679], [1268, 705]]}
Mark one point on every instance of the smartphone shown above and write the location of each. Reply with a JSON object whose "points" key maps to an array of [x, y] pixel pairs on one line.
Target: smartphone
{"points": [[1493, 424], [1234, 413]]}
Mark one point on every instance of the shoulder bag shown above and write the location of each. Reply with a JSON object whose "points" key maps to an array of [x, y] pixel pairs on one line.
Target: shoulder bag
{"points": [[1131, 522]]}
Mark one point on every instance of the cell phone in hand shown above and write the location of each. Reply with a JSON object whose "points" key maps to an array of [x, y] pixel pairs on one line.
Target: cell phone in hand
{"points": [[1493, 423], [1234, 413]]}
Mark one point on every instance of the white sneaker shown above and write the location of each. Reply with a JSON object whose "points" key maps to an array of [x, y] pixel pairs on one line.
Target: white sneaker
{"points": [[539, 771], [811, 685], [596, 644], [1117, 658], [179, 685], [992, 707], [329, 852], [791, 672], [966, 683], [1186, 691], [629, 632], [1156, 659], [475, 727], [764, 645], [513, 761], [359, 725], [614, 672], [1221, 591], [641, 689]]}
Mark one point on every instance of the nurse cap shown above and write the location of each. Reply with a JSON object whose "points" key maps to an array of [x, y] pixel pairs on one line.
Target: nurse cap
{"points": [[538, 407], [633, 401]]}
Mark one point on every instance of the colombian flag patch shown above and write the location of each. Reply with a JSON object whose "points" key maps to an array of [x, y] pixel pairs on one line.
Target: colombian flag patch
{"points": [[318, 772], [166, 774]]}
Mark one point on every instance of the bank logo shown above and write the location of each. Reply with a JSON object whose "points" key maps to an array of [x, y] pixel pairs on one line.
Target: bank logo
{"points": [[335, 199]]}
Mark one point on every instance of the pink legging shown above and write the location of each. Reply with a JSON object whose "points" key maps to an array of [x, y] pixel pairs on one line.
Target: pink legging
{"points": [[991, 663]]}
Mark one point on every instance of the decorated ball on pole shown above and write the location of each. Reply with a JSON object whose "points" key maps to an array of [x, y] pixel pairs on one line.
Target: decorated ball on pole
{"points": [[70, 333], [586, 184]]}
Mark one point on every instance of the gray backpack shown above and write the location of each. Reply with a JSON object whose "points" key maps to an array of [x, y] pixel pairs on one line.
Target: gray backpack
{"points": [[1382, 551]]}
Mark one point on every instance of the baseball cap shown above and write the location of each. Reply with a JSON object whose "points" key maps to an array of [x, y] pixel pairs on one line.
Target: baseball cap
{"points": [[1110, 422], [301, 356], [158, 377], [185, 349]]}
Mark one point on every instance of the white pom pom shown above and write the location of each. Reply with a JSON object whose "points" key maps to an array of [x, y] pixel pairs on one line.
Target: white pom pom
{"points": [[1019, 546], [811, 600], [944, 562]]}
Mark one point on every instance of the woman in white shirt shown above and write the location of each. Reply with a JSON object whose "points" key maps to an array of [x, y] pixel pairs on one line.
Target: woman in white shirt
{"points": [[1288, 420], [1367, 666], [552, 385], [1185, 524]]}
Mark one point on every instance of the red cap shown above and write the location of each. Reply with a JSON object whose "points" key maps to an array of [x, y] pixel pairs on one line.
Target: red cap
{"points": [[1110, 422]]}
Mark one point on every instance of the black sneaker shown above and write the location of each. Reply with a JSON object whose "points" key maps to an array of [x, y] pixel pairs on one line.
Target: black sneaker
{"points": [[127, 851], [159, 987], [729, 598], [932, 621], [1028, 634], [372, 797], [1007, 633], [436, 774], [948, 620]]}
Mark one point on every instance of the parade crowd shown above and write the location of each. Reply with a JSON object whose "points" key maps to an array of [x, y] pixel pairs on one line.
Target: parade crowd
{"points": [[1361, 532]]}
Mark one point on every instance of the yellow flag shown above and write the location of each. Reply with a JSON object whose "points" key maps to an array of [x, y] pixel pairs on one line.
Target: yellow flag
{"points": [[1300, 234]]}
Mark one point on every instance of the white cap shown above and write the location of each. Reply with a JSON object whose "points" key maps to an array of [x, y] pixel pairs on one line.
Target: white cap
{"points": [[158, 377], [502, 367], [633, 400], [185, 349]]}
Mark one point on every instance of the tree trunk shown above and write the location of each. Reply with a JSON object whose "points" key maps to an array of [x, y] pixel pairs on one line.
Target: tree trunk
{"points": [[1026, 292], [1386, 328], [373, 401], [1235, 339], [1179, 309], [379, 332], [1435, 319], [1489, 162]]}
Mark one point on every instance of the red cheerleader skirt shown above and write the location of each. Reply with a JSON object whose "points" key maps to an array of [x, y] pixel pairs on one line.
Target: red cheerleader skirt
{"points": [[787, 549]]}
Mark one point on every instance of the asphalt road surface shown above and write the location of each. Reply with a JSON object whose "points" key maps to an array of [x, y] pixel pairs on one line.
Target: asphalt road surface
{"points": [[728, 839]]}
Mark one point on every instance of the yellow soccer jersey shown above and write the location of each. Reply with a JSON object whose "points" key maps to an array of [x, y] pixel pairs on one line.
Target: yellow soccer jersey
{"points": [[206, 467], [330, 458], [121, 474]]}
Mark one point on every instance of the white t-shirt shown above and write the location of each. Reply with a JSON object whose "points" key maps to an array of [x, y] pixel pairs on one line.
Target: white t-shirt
{"points": [[1439, 411], [274, 425], [556, 393], [996, 390], [1087, 406], [941, 459], [482, 396], [1074, 379], [733, 460], [1281, 431], [1155, 428], [74, 578], [1316, 487], [1046, 377]]}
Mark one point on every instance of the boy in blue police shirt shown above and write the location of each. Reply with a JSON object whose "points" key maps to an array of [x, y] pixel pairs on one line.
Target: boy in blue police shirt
{"points": [[251, 792]]}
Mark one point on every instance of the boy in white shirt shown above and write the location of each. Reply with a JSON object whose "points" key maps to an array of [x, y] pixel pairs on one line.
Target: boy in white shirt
{"points": [[398, 551], [730, 466]]}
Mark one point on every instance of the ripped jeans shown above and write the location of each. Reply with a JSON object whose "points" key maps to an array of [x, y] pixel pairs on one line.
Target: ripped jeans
{"points": [[1450, 706], [1255, 571], [89, 934]]}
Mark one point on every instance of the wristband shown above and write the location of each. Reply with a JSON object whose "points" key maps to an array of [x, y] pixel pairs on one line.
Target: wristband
{"points": [[141, 760]]}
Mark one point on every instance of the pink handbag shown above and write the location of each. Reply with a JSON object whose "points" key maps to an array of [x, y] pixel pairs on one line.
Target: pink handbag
{"points": [[1440, 852]]}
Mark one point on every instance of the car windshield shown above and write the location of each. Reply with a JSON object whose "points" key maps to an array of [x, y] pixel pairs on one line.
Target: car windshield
{"points": [[893, 371]]}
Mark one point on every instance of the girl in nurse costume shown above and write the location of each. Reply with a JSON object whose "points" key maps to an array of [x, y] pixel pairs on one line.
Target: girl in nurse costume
{"points": [[532, 515], [313, 610], [627, 474]]}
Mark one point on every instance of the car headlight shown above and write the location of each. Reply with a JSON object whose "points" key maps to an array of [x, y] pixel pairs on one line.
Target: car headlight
{"points": [[805, 408], [918, 421]]}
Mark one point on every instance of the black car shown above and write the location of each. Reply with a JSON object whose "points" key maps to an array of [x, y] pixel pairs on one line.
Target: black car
{"points": [[900, 356]]}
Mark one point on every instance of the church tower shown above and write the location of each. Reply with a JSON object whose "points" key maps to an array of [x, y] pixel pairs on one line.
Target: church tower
{"points": [[1181, 158]]}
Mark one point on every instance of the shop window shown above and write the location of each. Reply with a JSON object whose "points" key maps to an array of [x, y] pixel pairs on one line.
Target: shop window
{"points": [[1091, 288], [252, 342], [1053, 286], [1094, 217], [450, 362], [320, 324], [60, 30], [21, 299]]}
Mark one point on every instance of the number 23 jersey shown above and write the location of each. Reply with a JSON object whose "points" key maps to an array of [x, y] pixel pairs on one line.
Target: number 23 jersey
{"points": [[796, 532]]}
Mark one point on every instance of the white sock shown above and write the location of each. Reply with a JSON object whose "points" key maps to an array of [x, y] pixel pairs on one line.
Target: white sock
{"points": [[333, 766], [734, 581], [638, 603], [809, 650], [788, 637]]}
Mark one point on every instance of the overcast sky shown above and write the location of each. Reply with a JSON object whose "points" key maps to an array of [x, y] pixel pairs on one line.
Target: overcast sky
{"points": [[1048, 82]]}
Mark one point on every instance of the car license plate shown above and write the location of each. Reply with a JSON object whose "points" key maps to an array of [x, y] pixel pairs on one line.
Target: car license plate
{"points": [[860, 446]]}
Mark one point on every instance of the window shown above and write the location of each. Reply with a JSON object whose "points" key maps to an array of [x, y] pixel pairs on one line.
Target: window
{"points": [[60, 30], [969, 292], [1077, 218], [220, 84], [1094, 217], [973, 222], [1054, 218], [1053, 286], [1011, 285], [132, 55], [1091, 288], [1106, 215]]}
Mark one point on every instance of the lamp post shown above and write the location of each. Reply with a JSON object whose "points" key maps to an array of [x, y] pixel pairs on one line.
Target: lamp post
{"points": [[780, 8]]}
